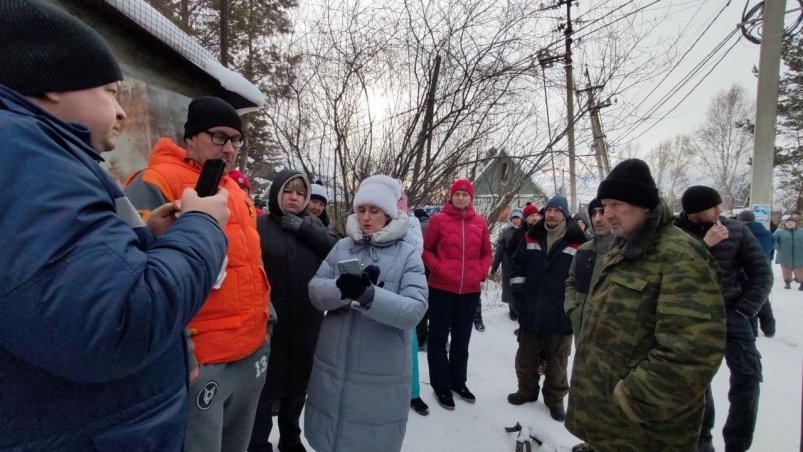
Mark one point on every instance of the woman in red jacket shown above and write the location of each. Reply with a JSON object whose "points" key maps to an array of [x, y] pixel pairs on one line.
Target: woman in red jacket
{"points": [[457, 252]]}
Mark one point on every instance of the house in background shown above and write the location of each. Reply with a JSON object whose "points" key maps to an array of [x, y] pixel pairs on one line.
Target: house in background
{"points": [[502, 177], [164, 69]]}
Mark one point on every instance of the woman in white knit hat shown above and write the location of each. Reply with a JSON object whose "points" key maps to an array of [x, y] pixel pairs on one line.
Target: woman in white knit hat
{"points": [[317, 203], [359, 390]]}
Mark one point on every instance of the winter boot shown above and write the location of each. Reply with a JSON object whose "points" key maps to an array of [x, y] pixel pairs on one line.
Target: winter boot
{"points": [[517, 398], [557, 412], [801, 287], [419, 406], [445, 400], [465, 394], [787, 284], [478, 324]]}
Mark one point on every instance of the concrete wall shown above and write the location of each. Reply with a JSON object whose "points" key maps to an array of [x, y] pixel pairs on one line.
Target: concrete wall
{"points": [[159, 84]]}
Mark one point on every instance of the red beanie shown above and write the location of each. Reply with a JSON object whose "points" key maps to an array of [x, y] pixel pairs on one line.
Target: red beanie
{"points": [[240, 178], [461, 184], [529, 209]]}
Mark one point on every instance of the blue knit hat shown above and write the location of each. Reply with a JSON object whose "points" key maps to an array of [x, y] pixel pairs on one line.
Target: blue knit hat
{"points": [[516, 212], [560, 203]]}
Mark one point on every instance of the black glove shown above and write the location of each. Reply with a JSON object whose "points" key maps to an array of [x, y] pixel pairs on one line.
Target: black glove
{"points": [[373, 272], [352, 286], [517, 289], [291, 223]]}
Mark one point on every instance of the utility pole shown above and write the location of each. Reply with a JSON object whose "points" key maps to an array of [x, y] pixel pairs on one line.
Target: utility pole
{"points": [[224, 33], [570, 106], [767, 103], [600, 147]]}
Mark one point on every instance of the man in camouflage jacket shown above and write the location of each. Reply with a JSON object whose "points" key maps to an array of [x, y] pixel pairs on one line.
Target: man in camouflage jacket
{"points": [[654, 334]]}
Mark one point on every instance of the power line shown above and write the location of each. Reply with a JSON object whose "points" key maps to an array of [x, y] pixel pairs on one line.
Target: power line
{"points": [[683, 80], [689, 93]]}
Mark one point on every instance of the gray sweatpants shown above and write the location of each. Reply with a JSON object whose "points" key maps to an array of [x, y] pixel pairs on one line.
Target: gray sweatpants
{"points": [[223, 403]]}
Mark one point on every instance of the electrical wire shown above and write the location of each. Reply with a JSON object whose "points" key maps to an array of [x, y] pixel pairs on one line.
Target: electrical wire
{"points": [[664, 99], [684, 97]]}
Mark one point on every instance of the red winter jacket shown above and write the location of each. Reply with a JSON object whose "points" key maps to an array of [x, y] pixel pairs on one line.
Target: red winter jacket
{"points": [[457, 250]]}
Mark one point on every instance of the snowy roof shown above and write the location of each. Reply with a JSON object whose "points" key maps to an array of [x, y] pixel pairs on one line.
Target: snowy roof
{"points": [[161, 28]]}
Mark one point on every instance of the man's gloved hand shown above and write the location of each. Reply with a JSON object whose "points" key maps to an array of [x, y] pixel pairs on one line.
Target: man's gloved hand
{"points": [[352, 286], [517, 289], [291, 222], [373, 272]]}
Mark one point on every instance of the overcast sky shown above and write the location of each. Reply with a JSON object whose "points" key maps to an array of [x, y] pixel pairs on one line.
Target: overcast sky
{"points": [[690, 19]]}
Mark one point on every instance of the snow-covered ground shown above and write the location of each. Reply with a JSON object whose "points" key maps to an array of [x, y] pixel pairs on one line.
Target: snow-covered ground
{"points": [[479, 427]]}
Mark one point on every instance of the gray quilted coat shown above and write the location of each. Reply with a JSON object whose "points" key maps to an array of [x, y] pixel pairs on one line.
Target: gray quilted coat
{"points": [[359, 390]]}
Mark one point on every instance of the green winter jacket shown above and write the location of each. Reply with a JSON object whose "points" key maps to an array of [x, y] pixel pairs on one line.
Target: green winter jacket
{"points": [[583, 274], [651, 342]]}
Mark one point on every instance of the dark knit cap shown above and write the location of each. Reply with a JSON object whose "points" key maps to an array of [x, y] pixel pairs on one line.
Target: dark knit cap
{"points": [[420, 213], [594, 204], [698, 198], [558, 202], [746, 216], [45, 50], [207, 112], [630, 181]]}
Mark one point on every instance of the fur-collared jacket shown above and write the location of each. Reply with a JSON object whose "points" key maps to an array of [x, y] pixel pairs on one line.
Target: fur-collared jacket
{"points": [[359, 390], [651, 342]]}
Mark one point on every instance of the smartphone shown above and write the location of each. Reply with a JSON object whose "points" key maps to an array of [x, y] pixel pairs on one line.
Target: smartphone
{"points": [[211, 174], [350, 267]]}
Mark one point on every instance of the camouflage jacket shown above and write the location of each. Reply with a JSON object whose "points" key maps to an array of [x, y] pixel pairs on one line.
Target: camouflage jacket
{"points": [[652, 341]]}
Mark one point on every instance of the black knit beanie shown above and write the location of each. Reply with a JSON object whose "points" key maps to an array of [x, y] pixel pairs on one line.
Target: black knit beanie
{"points": [[43, 49], [207, 112], [630, 181], [698, 198], [594, 204]]}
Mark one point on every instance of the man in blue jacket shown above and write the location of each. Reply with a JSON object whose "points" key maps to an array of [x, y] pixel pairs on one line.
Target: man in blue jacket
{"points": [[766, 319], [94, 303]]}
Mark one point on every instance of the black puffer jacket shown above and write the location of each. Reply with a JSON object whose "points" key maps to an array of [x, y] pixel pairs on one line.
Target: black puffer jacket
{"points": [[291, 260], [746, 273], [538, 278]]}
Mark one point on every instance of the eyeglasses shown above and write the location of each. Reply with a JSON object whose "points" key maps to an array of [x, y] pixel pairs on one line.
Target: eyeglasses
{"points": [[221, 139]]}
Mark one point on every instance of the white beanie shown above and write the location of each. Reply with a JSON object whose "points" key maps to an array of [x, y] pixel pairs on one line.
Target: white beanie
{"points": [[380, 191], [318, 192]]}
